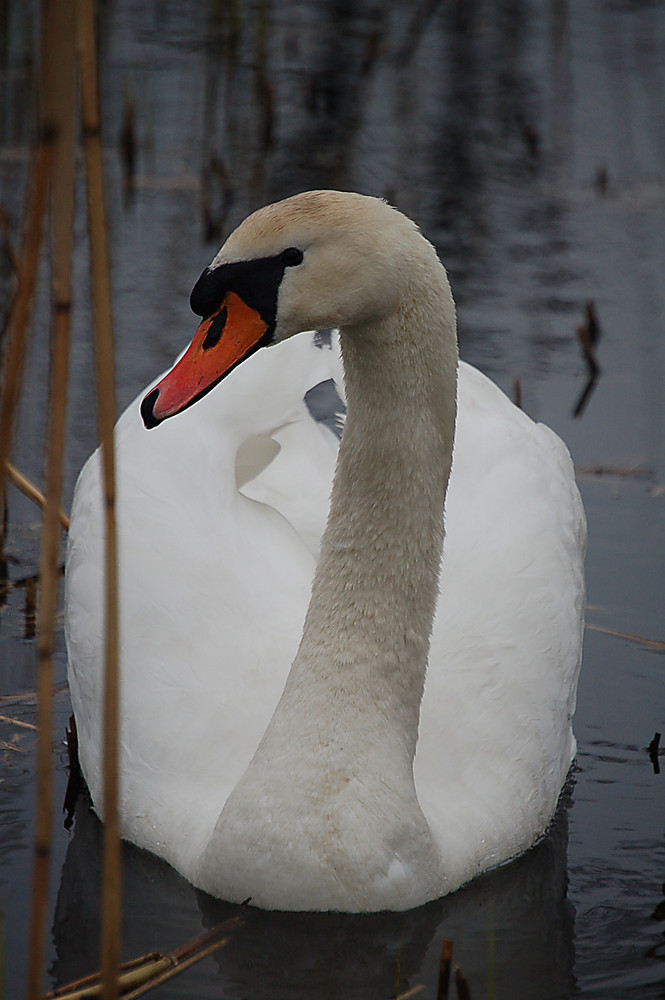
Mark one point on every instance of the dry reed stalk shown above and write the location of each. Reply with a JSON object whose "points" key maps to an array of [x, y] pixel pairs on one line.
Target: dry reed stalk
{"points": [[57, 111], [101, 299], [658, 645], [23, 484], [143, 974], [141, 971], [30, 697], [637, 472], [26, 275], [180, 965], [17, 722]]}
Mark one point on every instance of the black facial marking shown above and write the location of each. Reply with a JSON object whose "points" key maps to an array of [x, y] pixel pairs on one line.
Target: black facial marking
{"points": [[256, 282], [215, 330], [148, 409]]}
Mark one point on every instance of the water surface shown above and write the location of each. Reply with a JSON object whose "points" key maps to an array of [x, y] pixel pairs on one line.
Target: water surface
{"points": [[527, 138]]}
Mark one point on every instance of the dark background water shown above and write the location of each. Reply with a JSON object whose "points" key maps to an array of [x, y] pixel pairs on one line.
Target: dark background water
{"points": [[527, 138]]}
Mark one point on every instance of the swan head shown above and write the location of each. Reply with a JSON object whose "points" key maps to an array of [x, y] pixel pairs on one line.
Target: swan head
{"points": [[317, 260]]}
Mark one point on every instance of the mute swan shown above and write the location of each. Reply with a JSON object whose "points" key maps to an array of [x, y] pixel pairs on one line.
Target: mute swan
{"points": [[298, 787]]}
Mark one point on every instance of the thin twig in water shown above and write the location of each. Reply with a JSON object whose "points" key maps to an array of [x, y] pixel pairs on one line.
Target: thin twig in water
{"points": [[414, 991], [143, 974], [17, 722], [30, 697], [23, 484], [637, 472], [656, 644]]}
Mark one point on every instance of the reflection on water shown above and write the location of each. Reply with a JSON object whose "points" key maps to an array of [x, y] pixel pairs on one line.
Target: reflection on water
{"points": [[513, 927], [526, 138]]}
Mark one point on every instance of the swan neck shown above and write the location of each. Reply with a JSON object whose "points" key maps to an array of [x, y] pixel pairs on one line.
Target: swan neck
{"points": [[366, 635], [336, 761]]}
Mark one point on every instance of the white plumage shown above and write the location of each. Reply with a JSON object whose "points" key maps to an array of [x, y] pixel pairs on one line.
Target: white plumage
{"points": [[215, 580]]}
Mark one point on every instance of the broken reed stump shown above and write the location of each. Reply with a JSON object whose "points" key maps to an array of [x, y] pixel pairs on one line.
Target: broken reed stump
{"points": [[653, 750], [445, 964], [461, 985], [588, 334]]}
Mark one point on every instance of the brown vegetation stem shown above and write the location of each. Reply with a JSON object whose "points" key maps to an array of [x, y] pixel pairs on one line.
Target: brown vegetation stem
{"points": [[17, 722], [57, 94], [146, 973], [5, 228], [445, 964], [23, 484], [101, 300], [26, 275], [462, 985], [656, 644]]}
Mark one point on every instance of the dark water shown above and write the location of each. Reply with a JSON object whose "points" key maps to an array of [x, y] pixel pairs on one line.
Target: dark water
{"points": [[527, 137]]}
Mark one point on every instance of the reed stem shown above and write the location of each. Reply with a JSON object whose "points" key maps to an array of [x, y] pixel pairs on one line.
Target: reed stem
{"points": [[144, 974], [26, 276], [30, 490], [101, 301], [57, 130]]}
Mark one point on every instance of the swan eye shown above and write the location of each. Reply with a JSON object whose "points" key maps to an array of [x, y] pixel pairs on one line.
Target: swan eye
{"points": [[292, 256]]}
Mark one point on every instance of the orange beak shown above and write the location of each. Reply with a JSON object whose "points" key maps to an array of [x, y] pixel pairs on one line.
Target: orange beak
{"points": [[221, 342]]}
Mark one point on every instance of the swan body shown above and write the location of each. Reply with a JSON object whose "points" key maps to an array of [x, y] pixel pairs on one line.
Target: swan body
{"points": [[282, 734]]}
